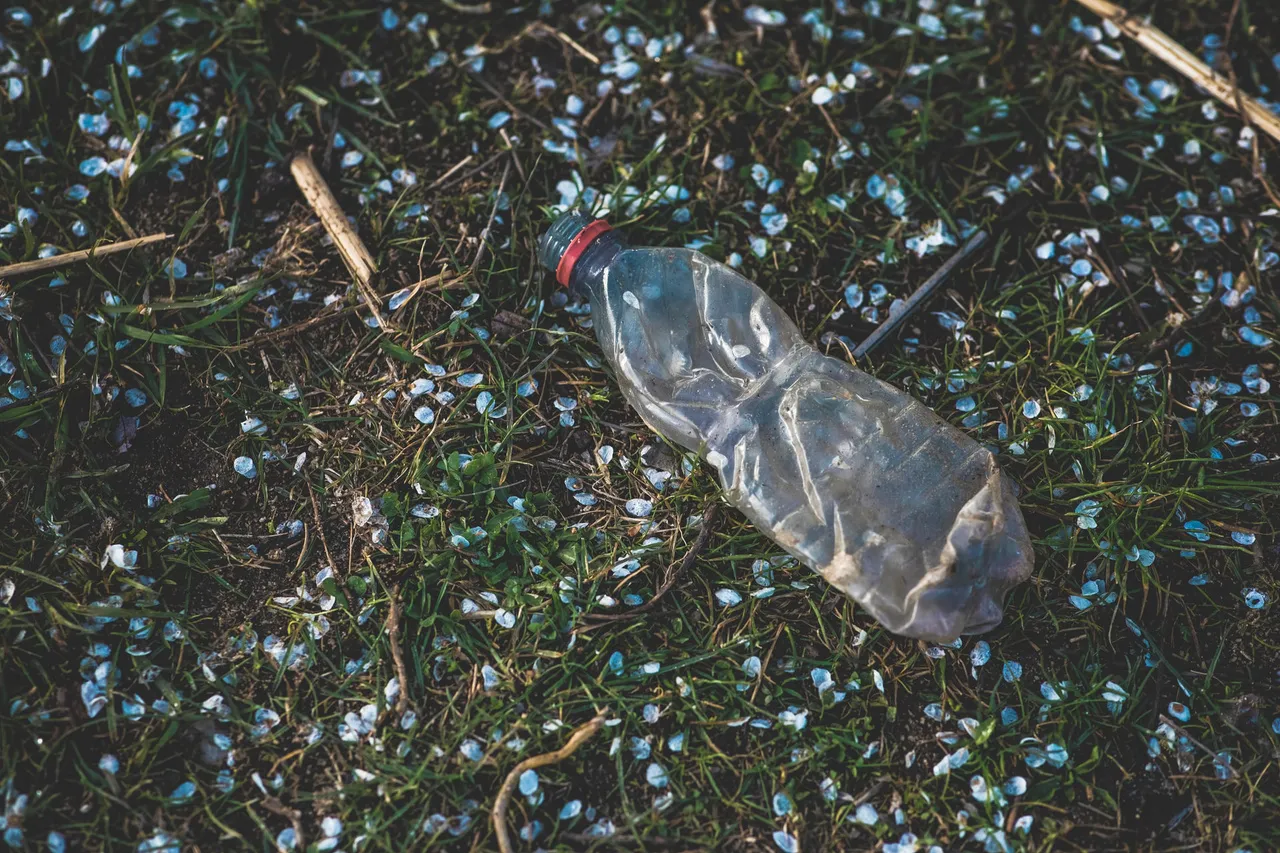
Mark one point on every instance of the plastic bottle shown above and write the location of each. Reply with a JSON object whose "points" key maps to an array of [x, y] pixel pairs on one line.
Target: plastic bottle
{"points": [[859, 481]]}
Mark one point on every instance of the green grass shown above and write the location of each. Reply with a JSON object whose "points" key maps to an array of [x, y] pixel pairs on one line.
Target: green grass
{"points": [[226, 566]]}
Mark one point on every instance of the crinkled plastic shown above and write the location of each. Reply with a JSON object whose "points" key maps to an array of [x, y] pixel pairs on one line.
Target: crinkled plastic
{"points": [[859, 481]]}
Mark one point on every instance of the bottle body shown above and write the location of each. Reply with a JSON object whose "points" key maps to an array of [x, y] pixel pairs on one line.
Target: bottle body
{"points": [[859, 481]]}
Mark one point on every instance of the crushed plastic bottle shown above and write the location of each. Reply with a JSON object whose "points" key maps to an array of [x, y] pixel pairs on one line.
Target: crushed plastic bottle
{"points": [[889, 503]]}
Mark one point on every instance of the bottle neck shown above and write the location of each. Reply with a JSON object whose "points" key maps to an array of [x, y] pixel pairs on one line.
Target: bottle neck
{"points": [[588, 272]]}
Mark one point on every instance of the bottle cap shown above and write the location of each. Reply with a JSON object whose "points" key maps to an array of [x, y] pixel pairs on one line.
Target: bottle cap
{"points": [[577, 246], [566, 240]]}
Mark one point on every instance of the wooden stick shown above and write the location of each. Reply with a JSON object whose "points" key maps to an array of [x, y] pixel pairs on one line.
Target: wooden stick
{"points": [[580, 736], [42, 264], [349, 245], [1187, 64], [1017, 213], [923, 292]]}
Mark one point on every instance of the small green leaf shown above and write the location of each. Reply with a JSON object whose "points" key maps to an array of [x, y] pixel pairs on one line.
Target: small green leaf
{"points": [[985, 728], [398, 352]]}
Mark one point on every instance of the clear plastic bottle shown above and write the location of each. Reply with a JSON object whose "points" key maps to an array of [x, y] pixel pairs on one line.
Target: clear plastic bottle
{"points": [[859, 481]]}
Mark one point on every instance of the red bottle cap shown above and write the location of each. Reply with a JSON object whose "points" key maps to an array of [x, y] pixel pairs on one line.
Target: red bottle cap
{"points": [[577, 246]]}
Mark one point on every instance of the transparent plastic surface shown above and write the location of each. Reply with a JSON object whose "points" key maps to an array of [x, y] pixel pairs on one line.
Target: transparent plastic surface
{"points": [[859, 481]]}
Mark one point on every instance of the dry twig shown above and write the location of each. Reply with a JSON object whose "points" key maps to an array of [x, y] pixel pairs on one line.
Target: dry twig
{"points": [[469, 8], [455, 167], [315, 512], [1231, 771], [1187, 64], [445, 279], [581, 51], [673, 574], [515, 111], [393, 637], [42, 264], [273, 805], [580, 736], [493, 211], [352, 249], [279, 335]]}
